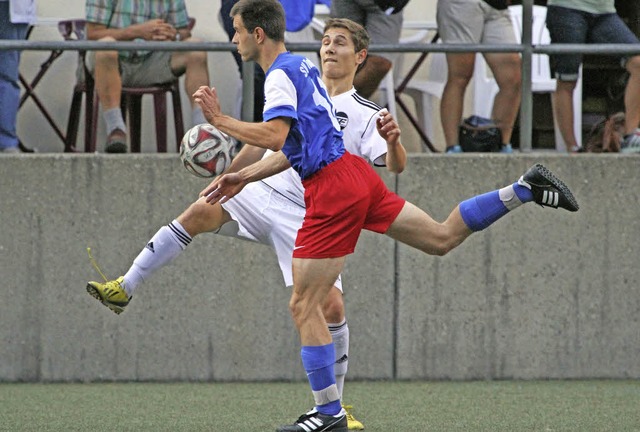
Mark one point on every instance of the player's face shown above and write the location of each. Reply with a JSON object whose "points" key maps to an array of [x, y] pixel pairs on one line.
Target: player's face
{"points": [[244, 40], [338, 55]]}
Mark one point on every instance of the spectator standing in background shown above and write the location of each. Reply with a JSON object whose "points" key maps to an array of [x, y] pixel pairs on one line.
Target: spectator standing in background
{"points": [[475, 22], [591, 21], [383, 21], [15, 18]]}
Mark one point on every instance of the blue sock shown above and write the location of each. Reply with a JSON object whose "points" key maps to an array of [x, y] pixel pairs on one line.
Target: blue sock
{"points": [[523, 192], [318, 362], [482, 210]]}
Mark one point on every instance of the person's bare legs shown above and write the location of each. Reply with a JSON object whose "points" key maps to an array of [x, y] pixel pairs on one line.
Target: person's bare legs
{"points": [[107, 77], [333, 306], [172, 239], [313, 279], [563, 112], [460, 71], [416, 228], [632, 95], [194, 63], [201, 217], [506, 68]]}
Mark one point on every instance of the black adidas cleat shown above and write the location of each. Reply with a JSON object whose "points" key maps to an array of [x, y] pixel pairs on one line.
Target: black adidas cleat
{"points": [[548, 190], [313, 421]]}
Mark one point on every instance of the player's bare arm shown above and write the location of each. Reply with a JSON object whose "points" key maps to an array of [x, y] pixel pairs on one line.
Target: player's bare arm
{"points": [[268, 135], [248, 155], [226, 186], [389, 130]]}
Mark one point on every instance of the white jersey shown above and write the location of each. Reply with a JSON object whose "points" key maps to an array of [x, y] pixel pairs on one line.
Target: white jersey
{"points": [[271, 211], [360, 136]]}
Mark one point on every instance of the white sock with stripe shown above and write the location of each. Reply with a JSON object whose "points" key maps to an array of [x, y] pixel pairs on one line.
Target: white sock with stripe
{"points": [[164, 247], [340, 335]]}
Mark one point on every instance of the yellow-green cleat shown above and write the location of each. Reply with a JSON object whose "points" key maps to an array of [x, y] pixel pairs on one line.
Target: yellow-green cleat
{"points": [[111, 294], [352, 422]]}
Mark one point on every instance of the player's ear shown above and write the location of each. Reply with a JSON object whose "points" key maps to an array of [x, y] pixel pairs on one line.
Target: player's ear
{"points": [[361, 56], [259, 34]]}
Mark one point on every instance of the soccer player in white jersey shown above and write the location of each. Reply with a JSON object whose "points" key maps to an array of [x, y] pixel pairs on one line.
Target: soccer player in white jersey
{"points": [[343, 50]]}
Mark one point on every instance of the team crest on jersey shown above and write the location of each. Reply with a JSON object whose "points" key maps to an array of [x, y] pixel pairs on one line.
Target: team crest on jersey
{"points": [[343, 119]]}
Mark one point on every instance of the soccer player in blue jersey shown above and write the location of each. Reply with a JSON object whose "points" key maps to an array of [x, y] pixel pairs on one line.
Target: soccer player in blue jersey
{"points": [[271, 211], [343, 194]]}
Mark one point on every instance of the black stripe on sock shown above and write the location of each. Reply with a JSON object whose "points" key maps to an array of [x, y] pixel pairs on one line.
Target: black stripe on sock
{"points": [[182, 237]]}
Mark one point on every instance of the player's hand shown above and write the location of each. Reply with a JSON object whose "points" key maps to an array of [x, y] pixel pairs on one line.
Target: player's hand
{"points": [[388, 127], [207, 98], [223, 188]]}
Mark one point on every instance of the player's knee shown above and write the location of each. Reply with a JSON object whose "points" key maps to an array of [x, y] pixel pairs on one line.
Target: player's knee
{"points": [[201, 217], [333, 309], [297, 309], [442, 244]]}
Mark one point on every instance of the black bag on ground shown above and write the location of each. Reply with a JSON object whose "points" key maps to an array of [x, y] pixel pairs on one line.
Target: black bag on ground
{"points": [[479, 134]]}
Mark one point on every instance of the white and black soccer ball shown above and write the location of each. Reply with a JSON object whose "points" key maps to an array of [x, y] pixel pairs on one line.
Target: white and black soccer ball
{"points": [[205, 151]]}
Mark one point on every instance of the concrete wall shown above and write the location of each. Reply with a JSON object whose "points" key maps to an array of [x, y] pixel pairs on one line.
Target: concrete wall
{"points": [[541, 294]]}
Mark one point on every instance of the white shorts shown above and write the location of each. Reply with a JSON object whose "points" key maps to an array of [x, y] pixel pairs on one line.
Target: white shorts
{"points": [[262, 215]]}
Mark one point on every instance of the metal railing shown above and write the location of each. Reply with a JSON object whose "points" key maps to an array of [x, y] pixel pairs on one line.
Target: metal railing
{"points": [[525, 48]]}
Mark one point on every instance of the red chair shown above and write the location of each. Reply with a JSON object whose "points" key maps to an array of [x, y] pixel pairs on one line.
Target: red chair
{"points": [[131, 101]]}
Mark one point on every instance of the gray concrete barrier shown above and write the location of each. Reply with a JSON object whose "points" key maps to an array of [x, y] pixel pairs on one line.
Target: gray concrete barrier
{"points": [[541, 294]]}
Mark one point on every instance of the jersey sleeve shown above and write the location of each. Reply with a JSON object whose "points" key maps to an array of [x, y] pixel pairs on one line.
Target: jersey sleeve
{"points": [[280, 96]]}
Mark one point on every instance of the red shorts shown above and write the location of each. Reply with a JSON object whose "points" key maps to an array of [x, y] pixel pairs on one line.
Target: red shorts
{"points": [[342, 199]]}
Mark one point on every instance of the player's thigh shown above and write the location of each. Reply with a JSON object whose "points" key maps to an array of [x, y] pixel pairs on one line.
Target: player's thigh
{"points": [[313, 278], [246, 211], [416, 228], [287, 219], [202, 217]]}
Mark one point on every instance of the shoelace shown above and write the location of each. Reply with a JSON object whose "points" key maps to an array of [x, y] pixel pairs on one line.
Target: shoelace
{"points": [[95, 265], [348, 409]]}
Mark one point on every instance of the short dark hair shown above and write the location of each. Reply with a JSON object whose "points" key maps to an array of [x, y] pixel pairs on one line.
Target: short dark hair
{"points": [[266, 14]]}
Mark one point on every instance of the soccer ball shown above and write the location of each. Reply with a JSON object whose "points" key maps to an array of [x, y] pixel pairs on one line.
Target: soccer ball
{"points": [[205, 151]]}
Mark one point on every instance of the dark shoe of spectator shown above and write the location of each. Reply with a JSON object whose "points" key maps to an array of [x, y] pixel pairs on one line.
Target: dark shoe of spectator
{"points": [[116, 142]]}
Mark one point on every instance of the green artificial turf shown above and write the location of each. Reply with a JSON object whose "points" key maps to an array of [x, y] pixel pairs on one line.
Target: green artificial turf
{"points": [[492, 406]]}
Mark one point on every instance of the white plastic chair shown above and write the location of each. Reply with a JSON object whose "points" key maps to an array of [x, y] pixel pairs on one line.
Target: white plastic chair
{"points": [[428, 93], [388, 84], [486, 88]]}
